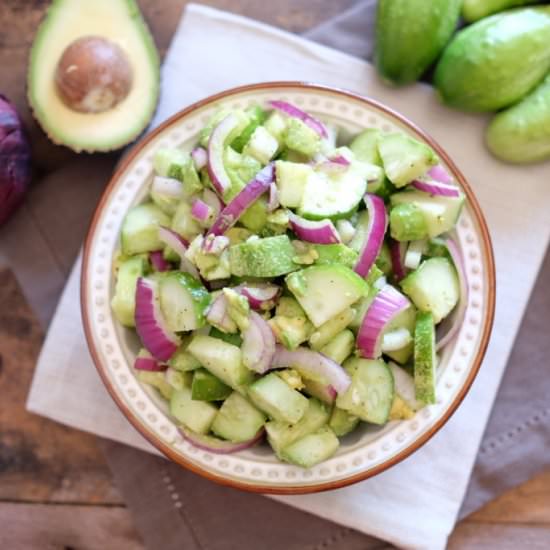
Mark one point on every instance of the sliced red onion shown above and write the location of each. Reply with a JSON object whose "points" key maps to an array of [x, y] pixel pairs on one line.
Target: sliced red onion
{"points": [[397, 254], [215, 445], [376, 228], [216, 146], [438, 173], [218, 316], [156, 338], [149, 364], [436, 188], [319, 232], [250, 192], [167, 187], [312, 364], [215, 244], [295, 112], [158, 262], [340, 159], [201, 211], [179, 245], [388, 303], [213, 201], [260, 296], [450, 326], [258, 345], [273, 202], [200, 157]]}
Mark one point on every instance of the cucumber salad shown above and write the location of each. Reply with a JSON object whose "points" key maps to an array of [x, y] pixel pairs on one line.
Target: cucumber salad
{"points": [[289, 284]]}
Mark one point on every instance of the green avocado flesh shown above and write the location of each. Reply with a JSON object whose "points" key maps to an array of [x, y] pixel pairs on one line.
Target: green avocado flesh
{"points": [[120, 22]]}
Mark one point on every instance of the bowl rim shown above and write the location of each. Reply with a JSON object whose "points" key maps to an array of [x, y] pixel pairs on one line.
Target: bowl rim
{"points": [[166, 449]]}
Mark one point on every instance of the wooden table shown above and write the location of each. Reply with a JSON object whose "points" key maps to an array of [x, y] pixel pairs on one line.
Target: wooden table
{"points": [[56, 490]]}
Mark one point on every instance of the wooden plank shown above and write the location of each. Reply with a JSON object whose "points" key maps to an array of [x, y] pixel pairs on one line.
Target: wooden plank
{"points": [[484, 536], [39, 459], [59, 527]]}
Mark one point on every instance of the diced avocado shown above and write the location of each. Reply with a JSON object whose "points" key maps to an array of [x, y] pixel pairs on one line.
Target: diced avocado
{"points": [[407, 222], [281, 434], [289, 307], [212, 266], [405, 158], [256, 116], [183, 222], [410, 35], [197, 415], [274, 396], [323, 334], [425, 360], [365, 146], [183, 301], [269, 257], [262, 145], [440, 213], [399, 409], [291, 181], [223, 360], [299, 137], [324, 291], [342, 422], [140, 229], [312, 449], [335, 254], [340, 347], [495, 62], [111, 96], [124, 300], [234, 339], [237, 420], [290, 331], [206, 387], [433, 287], [370, 395], [291, 377], [238, 308], [157, 381]]}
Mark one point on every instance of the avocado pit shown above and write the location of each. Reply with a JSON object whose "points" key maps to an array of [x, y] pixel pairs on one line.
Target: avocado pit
{"points": [[93, 75]]}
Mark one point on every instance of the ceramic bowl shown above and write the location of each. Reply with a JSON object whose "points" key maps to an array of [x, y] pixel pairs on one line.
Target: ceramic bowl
{"points": [[367, 451]]}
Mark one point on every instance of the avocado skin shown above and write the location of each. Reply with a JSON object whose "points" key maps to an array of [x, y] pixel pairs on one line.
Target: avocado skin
{"points": [[473, 10], [496, 61], [410, 34], [521, 134]]}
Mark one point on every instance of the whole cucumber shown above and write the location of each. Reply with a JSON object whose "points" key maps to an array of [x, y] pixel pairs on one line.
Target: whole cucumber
{"points": [[521, 134], [410, 34], [472, 10], [496, 61]]}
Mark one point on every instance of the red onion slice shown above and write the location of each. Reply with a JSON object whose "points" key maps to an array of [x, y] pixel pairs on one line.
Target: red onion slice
{"points": [[200, 158], [438, 173], [450, 326], [376, 228], [273, 202], [218, 316], [156, 338], [158, 262], [319, 232], [312, 364], [179, 245], [218, 446], [167, 187], [388, 303], [436, 188], [250, 192], [144, 362], [258, 345], [216, 147], [397, 254], [260, 296], [295, 112], [200, 211], [213, 201]]}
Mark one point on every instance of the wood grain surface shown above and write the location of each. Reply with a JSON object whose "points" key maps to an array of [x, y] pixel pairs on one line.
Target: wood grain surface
{"points": [[56, 492]]}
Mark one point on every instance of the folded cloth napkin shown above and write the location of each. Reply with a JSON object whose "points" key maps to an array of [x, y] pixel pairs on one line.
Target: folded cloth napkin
{"points": [[416, 503]]}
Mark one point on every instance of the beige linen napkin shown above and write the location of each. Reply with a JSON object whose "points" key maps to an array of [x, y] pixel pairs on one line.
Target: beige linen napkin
{"points": [[416, 503]]}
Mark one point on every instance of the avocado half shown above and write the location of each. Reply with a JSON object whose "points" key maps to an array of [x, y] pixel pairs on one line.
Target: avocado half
{"points": [[108, 124]]}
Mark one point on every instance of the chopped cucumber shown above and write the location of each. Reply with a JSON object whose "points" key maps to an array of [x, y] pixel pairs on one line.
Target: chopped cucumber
{"points": [[177, 379], [324, 291], [312, 449], [407, 222], [433, 287], [124, 300], [197, 415], [182, 360], [335, 254], [331, 328], [365, 146], [262, 145], [301, 138], [425, 360], [274, 396], [405, 320], [140, 229], [291, 181], [256, 116], [234, 339], [275, 124], [206, 387], [157, 380], [237, 420], [342, 422], [183, 222], [340, 347]]}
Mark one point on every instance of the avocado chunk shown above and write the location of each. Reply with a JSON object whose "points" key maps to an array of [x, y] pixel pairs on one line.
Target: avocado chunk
{"points": [[407, 222], [82, 109], [335, 254], [410, 34], [496, 61]]}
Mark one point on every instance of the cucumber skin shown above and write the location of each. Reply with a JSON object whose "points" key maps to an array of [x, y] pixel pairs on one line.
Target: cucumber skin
{"points": [[410, 34], [424, 358]]}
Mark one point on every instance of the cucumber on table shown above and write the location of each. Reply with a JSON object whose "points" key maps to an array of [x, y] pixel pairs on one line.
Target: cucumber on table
{"points": [[197, 415], [237, 419], [425, 360], [139, 231], [312, 448]]}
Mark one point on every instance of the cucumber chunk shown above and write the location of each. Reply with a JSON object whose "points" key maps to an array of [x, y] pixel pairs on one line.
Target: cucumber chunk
{"points": [[157, 381], [223, 360], [404, 320], [291, 181], [405, 388], [124, 300], [301, 138], [324, 291], [182, 360], [433, 287], [206, 387], [331, 328], [370, 395], [262, 145], [140, 229], [335, 254], [340, 347], [407, 222], [197, 415], [274, 396], [425, 359], [281, 434], [342, 422], [183, 301], [365, 146], [312, 449], [183, 222], [237, 420]]}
